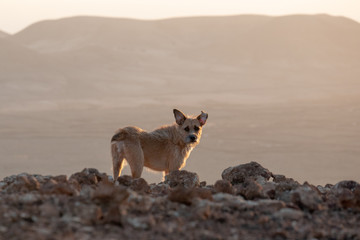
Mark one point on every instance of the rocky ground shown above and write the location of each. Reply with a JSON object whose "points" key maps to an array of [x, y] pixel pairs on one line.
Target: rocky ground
{"points": [[249, 202]]}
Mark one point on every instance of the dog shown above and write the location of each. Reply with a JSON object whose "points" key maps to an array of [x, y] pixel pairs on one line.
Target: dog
{"points": [[165, 149]]}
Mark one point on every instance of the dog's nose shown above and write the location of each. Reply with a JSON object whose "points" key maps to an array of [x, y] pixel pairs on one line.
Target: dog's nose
{"points": [[193, 138]]}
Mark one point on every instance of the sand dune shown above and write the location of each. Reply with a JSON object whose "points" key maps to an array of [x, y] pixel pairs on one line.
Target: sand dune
{"points": [[283, 91]]}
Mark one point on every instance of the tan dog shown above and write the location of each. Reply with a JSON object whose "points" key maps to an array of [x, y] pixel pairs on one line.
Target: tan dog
{"points": [[164, 149]]}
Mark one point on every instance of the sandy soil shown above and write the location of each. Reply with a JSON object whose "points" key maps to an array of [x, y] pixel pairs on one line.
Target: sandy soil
{"points": [[311, 142]]}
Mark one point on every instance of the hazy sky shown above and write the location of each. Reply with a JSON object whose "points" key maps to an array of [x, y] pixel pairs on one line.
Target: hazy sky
{"points": [[17, 14]]}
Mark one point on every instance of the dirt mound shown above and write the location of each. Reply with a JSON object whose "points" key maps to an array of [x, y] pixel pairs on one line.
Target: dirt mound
{"points": [[249, 202]]}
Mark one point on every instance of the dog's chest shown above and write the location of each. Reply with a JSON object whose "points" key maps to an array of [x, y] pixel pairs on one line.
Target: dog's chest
{"points": [[181, 155]]}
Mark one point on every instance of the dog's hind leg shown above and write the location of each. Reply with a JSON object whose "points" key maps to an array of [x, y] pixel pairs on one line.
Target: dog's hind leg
{"points": [[164, 173], [135, 157], [117, 152]]}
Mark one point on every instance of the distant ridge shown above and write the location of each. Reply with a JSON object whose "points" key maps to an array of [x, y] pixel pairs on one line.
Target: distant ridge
{"points": [[3, 34], [231, 39], [91, 57]]}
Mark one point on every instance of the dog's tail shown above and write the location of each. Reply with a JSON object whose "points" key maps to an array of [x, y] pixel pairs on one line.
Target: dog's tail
{"points": [[119, 136]]}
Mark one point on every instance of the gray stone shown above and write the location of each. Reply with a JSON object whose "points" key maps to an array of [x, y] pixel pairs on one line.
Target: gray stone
{"points": [[182, 178], [241, 173]]}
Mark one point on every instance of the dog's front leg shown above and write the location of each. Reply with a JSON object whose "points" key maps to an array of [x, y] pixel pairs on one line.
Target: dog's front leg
{"points": [[176, 164]]}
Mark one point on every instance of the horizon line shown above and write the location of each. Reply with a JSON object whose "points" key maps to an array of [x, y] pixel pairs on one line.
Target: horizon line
{"points": [[174, 17]]}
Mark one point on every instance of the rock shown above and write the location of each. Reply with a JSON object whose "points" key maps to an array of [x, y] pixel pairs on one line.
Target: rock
{"points": [[3, 185], [30, 198], [141, 223], [285, 184], [88, 176], [203, 184], [60, 178], [22, 183], [107, 192], [279, 178], [279, 234], [240, 173], [86, 191], [203, 193], [266, 205], [187, 195], [228, 198], [307, 197], [182, 178], [125, 180], [269, 190], [289, 213], [357, 193], [345, 194], [351, 185], [249, 189], [113, 215], [346, 197], [182, 195], [52, 187], [3, 229], [283, 187], [202, 211], [49, 210], [89, 213], [323, 190], [139, 203], [90, 206], [138, 184], [160, 189], [223, 186]]}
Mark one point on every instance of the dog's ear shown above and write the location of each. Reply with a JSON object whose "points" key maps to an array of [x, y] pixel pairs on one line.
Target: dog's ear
{"points": [[202, 118], [179, 117]]}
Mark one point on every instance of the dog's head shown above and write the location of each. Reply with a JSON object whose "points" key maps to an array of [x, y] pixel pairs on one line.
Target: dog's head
{"points": [[190, 128]]}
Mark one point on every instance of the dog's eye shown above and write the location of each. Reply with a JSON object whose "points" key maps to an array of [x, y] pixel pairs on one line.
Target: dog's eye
{"points": [[196, 128], [187, 129]]}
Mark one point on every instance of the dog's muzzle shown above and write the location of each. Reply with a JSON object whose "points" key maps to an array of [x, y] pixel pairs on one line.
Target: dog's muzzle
{"points": [[192, 138]]}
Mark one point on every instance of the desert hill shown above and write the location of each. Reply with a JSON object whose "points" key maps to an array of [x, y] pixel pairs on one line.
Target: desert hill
{"points": [[112, 57], [3, 34], [16, 58], [26, 75], [229, 40]]}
